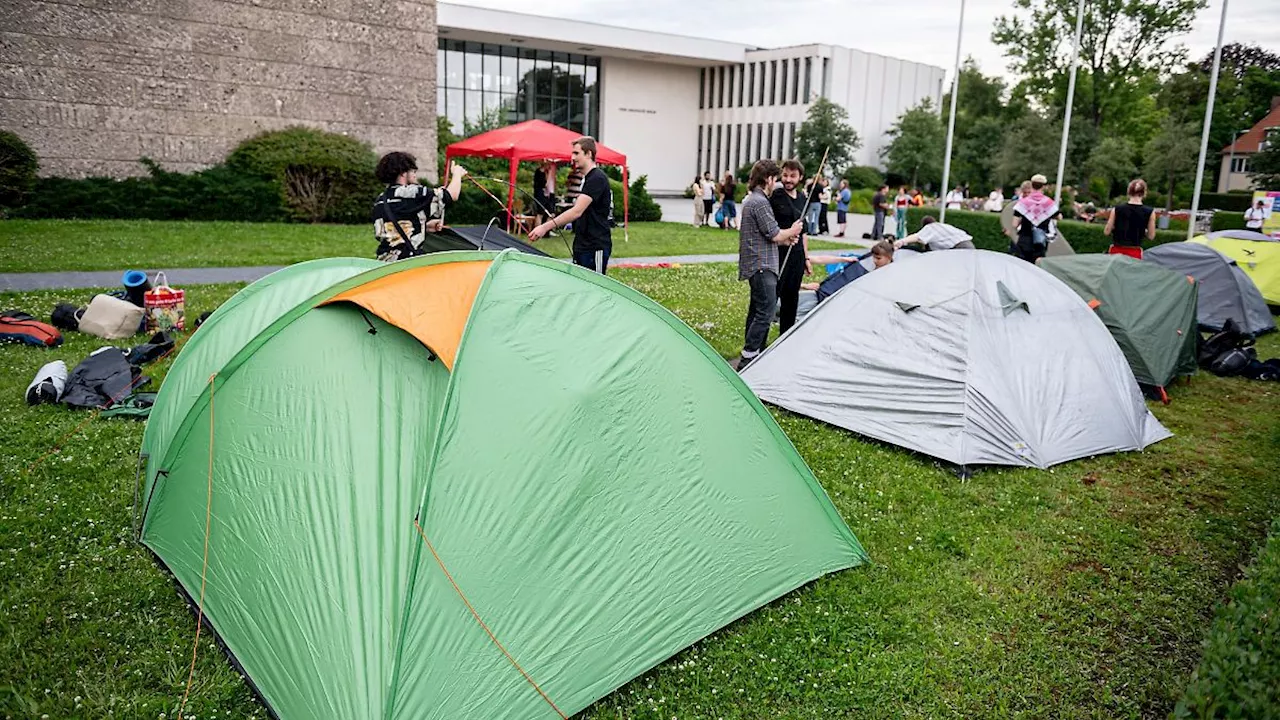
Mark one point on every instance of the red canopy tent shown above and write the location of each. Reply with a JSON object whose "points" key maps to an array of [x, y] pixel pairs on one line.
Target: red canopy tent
{"points": [[533, 141]]}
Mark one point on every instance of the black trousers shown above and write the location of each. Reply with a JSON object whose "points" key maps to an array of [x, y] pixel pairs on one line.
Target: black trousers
{"points": [[764, 297], [823, 228], [789, 285]]}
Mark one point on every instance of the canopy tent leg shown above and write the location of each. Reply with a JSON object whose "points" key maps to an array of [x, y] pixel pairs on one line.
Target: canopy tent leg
{"points": [[511, 194]]}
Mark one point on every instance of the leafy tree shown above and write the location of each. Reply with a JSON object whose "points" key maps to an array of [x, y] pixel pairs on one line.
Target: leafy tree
{"points": [[1172, 155], [18, 167], [1110, 164], [1265, 166], [1237, 59], [826, 128], [975, 152], [1030, 147], [918, 141], [1122, 41]]}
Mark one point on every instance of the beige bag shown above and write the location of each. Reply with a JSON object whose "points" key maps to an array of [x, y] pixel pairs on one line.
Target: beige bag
{"points": [[111, 318]]}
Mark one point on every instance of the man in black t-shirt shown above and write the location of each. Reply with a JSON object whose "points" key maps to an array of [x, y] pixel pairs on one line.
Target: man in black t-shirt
{"points": [[591, 214], [789, 202]]}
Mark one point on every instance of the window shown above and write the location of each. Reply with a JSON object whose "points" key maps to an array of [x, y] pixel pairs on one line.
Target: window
{"points": [[773, 82], [795, 81], [748, 144], [699, 160], [791, 144], [715, 163], [732, 84], [706, 160], [742, 76], [769, 145], [720, 86], [782, 96], [781, 139], [759, 141], [702, 89], [751, 85], [808, 77], [1240, 165], [825, 88], [763, 72]]}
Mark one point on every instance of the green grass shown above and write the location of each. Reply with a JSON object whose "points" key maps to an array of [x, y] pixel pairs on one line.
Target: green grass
{"points": [[1084, 591], [52, 245]]}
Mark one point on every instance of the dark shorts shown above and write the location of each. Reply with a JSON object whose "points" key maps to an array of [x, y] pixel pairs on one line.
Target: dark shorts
{"points": [[730, 209], [593, 260], [841, 216]]}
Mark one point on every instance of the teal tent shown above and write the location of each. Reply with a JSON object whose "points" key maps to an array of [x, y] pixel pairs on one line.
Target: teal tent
{"points": [[468, 485]]}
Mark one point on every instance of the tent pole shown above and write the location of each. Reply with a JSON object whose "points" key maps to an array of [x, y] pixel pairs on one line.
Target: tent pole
{"points": [[511, 195], [1208, 120], [626, 206], [951, 123]]}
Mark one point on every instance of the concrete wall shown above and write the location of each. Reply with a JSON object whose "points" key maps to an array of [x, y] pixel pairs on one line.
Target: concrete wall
{"points": [[92, 85], [649, 111], [1228, 181]]}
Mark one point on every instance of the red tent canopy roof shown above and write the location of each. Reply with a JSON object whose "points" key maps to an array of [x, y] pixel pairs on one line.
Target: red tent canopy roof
{"points": [[529, 140]]}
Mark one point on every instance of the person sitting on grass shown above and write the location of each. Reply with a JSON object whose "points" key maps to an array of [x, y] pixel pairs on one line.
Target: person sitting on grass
{"points": [[934, 235], [881, 254], [406, 210]]}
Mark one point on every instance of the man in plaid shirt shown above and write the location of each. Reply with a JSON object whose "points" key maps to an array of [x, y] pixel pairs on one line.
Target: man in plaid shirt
{"points": [[759, 238]]}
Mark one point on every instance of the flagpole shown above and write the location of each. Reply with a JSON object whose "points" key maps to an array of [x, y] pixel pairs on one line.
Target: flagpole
{"points": [[1071, 96], [951, 123], [1208, 120]]}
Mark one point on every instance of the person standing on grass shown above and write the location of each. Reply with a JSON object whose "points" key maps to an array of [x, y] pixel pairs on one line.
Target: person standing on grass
{"points": [[824, 204], [728, 191], [759, 240], [1035, 218], [591, 214], [842, 206], [407, 210], [1255, 216], [708, 198], [789, 206], [1131, 223], [900, 205], [699, 212], [544, 190], [879, 207]]}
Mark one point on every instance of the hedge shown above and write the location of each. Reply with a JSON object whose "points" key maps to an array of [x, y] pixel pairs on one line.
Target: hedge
{"points": [[987, 234], [1228, 221], [1239, 675], [1231, 202]]}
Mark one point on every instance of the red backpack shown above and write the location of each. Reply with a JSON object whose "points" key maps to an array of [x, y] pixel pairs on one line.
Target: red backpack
{"points": [[17, 326]]}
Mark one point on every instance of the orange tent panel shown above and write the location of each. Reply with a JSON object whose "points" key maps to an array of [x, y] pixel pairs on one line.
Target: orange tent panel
{"points": [[431, 303]]}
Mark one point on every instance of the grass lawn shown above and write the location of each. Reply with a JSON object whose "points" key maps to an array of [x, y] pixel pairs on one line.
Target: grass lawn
{"points": [[29, 245], [1084, 591]]}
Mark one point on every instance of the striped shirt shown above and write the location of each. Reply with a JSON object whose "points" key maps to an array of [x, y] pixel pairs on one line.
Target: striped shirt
{"points": [[756, 231]]}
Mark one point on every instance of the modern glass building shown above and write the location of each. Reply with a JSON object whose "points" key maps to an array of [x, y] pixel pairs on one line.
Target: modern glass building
{"points": [[518, 82]]}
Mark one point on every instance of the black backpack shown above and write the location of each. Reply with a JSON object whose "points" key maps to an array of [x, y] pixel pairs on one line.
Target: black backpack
{"points": [[1213, 349]]}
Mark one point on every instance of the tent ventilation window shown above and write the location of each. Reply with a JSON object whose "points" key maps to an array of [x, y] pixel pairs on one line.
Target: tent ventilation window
{"points": [[1010, 302]]}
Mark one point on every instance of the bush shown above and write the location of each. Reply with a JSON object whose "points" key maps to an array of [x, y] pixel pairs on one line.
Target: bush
{"points": [[643, 208], [860, 201], [1231, 202], [217, 193], [322, 176], [987, 234], [1227, 221], [18, 166], [1239, 675], [860, 177]]}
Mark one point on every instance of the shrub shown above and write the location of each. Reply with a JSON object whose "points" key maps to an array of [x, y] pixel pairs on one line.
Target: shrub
{"points": [[322, 176], [987, 234], [643, 208], [1231, 202], [1227, 221], [860, 201], [217, 193], [861, 176], [18, 166], [1239, 675]]}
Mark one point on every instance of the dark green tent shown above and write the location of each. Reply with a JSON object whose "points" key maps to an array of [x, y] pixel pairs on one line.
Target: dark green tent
{"points": [[1150, 311]]}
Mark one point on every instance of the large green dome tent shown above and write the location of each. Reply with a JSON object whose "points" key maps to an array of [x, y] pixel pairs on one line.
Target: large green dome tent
{"points": [[468, 485]]}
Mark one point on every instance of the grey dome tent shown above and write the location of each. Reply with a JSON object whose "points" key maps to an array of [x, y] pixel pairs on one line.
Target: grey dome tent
{"points": [[1226, 292], [971, 356]]}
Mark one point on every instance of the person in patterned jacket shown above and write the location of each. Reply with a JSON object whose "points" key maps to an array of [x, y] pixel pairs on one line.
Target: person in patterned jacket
{"points": [[406, 210]]}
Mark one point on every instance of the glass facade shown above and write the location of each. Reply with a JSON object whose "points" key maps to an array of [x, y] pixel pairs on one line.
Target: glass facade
{"points": [[520, 83]]}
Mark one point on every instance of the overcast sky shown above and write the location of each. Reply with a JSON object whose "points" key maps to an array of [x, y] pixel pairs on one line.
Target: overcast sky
{"points": [[921, 30]]}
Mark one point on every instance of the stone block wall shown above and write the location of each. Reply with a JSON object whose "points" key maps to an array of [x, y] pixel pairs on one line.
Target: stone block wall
{"points": [[93, 85]]}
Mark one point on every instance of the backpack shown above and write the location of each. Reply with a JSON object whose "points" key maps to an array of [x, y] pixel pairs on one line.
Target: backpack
{"points": [[19, 327], [1227, 339]]}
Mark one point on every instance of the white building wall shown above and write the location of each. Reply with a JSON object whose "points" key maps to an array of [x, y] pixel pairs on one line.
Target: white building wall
{"points": [[649, 112]]}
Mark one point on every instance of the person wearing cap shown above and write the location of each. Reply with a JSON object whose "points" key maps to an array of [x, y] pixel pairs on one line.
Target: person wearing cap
{"points": [[1034, 225], [1255, 216]]}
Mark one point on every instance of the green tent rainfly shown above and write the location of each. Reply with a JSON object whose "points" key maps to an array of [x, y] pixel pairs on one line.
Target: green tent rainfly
{"points": [[1150, 310], [468, 485]]}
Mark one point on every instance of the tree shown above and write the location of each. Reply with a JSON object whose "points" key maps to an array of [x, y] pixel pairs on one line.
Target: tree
{"points": [[1172, 154], [1110, 164], [1030, 147], [1264, 167], [444, 138], [1122, 42], [917, 145], [826, 128], [1238, 59]]}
